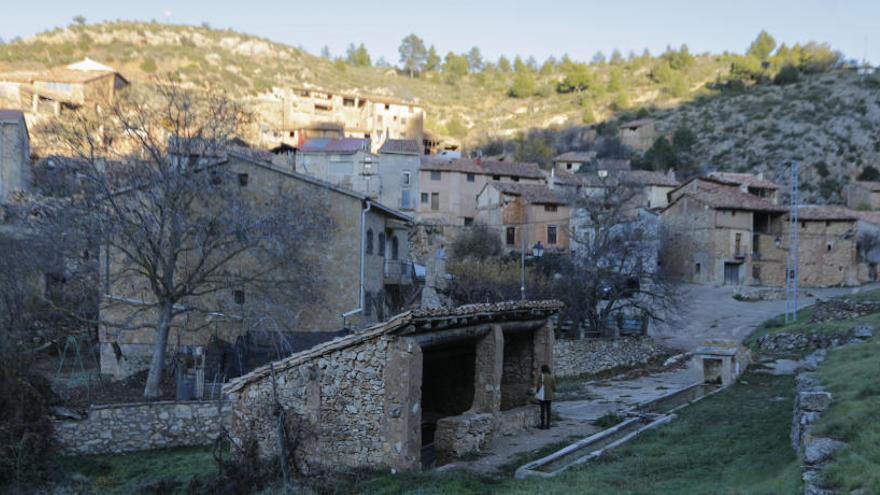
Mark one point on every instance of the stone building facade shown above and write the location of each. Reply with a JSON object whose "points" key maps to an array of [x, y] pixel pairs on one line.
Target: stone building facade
{"points": [[863, 195], [526, 214], [637, 134], [448, 188], [288, 115], [334, 255], [15, 167], [426, 383]]}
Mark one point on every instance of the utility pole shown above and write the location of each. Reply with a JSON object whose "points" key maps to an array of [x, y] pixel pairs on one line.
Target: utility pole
{"points": [[791, 274], [522, 286]]}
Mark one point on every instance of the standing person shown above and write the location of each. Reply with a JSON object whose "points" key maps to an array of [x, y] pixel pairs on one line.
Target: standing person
{"points": [[545, 387]]}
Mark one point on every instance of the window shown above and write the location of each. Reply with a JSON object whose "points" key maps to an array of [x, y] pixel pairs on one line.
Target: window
{"points": [[733, 213], [424, 198], [435, 175], [468, 221], [238, 295], [322, 108], [406, 178], [381, 244], [404, 199], [827, 223], [551, 234], [242, 179], [369, 242], [394, 247], [829, 245], [568, 166], [515, 179], [511, 236], [697, 268], [550, 207], [215, 178], [387, 106], [803, 225], [435, 201], [348, 102], [368, 304], [471, 177], [496, 177], [756, 272]]}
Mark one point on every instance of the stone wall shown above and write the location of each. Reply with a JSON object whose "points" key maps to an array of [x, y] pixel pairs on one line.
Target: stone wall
{"points": [[811, 400], [142, 426], [335, 404], [786, 342], [588, 356], [842, 309]]}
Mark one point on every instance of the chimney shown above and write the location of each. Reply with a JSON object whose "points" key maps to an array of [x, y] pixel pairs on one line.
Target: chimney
{"points": [[551, 181], [671, 174]]}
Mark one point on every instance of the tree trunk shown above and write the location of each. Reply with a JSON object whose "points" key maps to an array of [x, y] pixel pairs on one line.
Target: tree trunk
{"points": [[157, 363]]}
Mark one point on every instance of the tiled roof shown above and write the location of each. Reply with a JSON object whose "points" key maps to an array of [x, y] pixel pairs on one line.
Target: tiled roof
{"points": [[70, 75], [401, 147], [398, 324], [749, 180], [532, 193], [648, 178], [584, 180], [732, 199], [869, 185], [826, 212], [463, 165], [868, 216], [344, 145], [575, 156]]}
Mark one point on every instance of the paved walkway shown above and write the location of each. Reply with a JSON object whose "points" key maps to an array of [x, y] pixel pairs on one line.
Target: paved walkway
{"points": [[711, 313]]}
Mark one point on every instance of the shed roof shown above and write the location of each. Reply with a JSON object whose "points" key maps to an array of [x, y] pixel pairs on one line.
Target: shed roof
{"points": [[575, 156], [399, 324], [342, 146], [826, 213], [731, 199], [748, 180], [401, 147]]}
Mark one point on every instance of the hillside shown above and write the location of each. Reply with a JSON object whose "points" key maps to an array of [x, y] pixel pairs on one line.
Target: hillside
{"points": [[828, 120]]}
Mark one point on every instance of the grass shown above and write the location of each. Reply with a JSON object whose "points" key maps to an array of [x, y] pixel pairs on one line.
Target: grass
{"points": [[851, 375], [130, 473], [735, 442], [803, 324]]}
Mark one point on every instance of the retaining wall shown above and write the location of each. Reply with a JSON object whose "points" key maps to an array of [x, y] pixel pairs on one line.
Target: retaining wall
{"points": [[587, 356], [137, 426]]}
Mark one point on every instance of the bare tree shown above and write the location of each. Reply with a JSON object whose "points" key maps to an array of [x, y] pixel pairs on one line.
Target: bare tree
{"points": [[613, 268], [179, 236]]}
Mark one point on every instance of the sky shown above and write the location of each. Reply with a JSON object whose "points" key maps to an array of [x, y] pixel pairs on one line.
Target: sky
{"points": [[527, 28]]}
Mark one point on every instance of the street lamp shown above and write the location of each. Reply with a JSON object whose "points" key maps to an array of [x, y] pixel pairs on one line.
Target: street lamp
{"points": [[538, 250]]}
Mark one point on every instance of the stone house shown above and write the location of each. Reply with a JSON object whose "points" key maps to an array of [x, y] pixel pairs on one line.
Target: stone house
{"points": [[399, 161], [15, 167], [637, 134], [827, 249], [346, 162], [715, 231], [526, 214], [289, 113], [754, 184], [84, 83], [362, 262], [863, 195], [652, 188], [426, 385], [448, 188], [572, 161]]}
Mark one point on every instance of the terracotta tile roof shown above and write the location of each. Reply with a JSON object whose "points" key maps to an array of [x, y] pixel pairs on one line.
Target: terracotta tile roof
{"points": [[748, 180], [868, 216], [532, 193], [396, 325], [826, 212], [869, 185], [575, 156], [583, 180], [732, 199], [344, 145], [648, 178], [485, 167], [401, 147]]}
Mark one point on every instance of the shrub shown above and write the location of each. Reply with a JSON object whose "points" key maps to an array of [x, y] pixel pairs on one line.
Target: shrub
{"points": [[478, 241], [788, 74], [148, 65], [25, 431]]}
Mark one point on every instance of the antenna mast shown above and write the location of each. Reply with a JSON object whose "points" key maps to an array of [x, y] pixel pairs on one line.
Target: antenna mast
{"points": [[791, 276]]}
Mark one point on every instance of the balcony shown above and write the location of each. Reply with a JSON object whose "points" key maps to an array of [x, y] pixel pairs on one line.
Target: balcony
{"points": [[398, 272]]}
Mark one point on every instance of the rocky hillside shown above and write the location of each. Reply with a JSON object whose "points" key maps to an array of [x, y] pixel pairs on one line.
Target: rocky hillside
{"points": [[829, 123]]}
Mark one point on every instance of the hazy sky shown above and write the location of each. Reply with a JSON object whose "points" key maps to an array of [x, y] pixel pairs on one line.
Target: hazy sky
{"points": [[538, 28]]}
